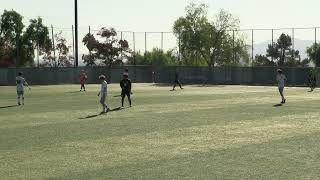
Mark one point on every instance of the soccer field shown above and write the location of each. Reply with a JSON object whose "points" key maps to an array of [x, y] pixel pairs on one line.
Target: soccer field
{"points": [[217, 132]]}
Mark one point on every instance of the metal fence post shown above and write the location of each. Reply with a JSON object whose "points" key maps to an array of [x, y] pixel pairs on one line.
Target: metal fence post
{"points": [[272, 42], [145, 42], [53, 47], [233, 50], [179, 48], [17, 61], [134, 55], [293, 47], [161, 40], [252, 48], [315, 35]]}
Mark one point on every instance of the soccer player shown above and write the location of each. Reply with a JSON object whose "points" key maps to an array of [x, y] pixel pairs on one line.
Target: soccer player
{"points": [[125, 85], [176, 81], [21, 82], [312, 80], [83, 78], [281, 79], [103, 94], [126, 73], [153, 77]]}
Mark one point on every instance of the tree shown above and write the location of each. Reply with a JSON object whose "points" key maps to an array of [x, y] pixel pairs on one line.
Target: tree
{"points": [[11, 27], [156, 57], [314, 54], [192, 32], [212, 42], [38, 35], [282, 53], [261, 60], [64, 58], [109, 52]]}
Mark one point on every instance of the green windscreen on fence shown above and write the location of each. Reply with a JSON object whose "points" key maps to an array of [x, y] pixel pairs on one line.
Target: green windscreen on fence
{"points": [[148, 74]]}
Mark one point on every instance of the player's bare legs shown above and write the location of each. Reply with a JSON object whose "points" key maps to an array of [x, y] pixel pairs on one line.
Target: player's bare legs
{"points": [[282, 95], [129, 99], [83, 87], [18, 100]]}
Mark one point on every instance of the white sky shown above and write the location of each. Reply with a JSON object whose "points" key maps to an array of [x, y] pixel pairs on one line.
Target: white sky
{"points": [[159, 15]]}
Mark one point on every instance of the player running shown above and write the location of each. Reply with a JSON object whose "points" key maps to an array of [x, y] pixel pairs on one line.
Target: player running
{"points": [[281, 79], [176, 81], [125, 85], [21, 82], [103, 94], [83, 78]]}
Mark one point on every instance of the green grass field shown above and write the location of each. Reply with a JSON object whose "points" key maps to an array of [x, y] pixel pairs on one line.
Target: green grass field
{"points": [[218, 132]]}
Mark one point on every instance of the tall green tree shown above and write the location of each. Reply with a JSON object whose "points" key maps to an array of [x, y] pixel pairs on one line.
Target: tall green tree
{"points": [[37, 34], [11, 27], [314, 53], [210, 41], [282, 53]]}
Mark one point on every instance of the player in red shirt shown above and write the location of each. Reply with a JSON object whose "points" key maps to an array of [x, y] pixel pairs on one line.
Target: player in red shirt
{"points": [[83, 78]]}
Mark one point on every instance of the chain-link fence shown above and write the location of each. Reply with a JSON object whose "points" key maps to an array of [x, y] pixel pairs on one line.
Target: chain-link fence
{"points": [[257, 40]]}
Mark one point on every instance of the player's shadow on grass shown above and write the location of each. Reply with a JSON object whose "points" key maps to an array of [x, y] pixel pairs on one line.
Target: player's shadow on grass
{"points": [[6, 107], [74, 92], [101, 114], [277, 105], [162, 84]]}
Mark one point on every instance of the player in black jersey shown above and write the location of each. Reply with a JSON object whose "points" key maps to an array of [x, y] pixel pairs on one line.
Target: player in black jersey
{"points": [[125, 85], [176, 81]]}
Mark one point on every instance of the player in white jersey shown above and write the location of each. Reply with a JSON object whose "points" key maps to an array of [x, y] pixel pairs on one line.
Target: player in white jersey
{"points": [[103, 94], [21, 82], [281, 79]]}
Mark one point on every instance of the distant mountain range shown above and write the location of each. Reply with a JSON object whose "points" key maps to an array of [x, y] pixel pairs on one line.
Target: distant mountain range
{"points": [[299, 44]]}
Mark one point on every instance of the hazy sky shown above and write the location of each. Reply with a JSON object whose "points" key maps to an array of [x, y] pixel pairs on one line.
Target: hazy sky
{"points": [[159, 15]]}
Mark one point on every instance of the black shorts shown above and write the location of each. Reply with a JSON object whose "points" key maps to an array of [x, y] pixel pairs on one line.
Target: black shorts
{"points": [[177, 82], [125, 93]]}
